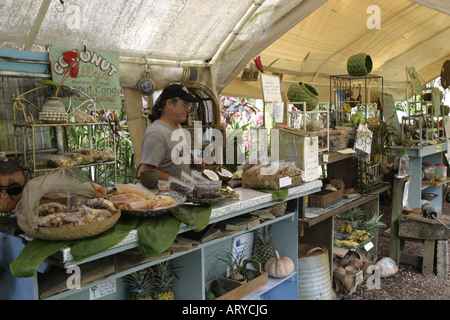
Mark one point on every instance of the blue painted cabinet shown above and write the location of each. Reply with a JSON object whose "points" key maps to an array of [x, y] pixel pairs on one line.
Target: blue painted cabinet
{"points": [[193, 273]]}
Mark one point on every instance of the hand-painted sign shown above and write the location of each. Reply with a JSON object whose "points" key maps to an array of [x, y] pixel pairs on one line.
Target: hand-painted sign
{"points": [[98, 75]]}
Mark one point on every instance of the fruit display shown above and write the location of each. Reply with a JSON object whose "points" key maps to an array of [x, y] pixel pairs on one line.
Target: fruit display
{"points": [[163, 279], [154, 283], [141, 285], [262, 248], [353, 240], [132, 197], [356, 229]]}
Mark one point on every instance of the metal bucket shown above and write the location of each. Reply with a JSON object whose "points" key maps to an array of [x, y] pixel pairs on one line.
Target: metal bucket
{"points": [[314, 280]]}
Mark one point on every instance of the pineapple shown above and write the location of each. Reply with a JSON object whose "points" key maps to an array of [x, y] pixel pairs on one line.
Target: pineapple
{"points": [[141, 286], [263, 249], [163, 282]]}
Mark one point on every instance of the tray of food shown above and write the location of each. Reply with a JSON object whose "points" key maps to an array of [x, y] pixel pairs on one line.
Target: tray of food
{"points": [[134, 200], [201, 191]]}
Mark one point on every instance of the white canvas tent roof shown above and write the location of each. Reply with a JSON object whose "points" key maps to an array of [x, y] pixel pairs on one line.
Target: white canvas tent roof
{"points": [[311, 39]]}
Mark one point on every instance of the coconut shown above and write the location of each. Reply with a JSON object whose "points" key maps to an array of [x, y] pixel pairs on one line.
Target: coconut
{"points": [[224, 174], [351, 269], [338, 183], [211, 175]]}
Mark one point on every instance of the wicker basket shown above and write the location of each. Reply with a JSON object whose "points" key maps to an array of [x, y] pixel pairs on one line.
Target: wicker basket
{"points": [[359, 65], [269, 182], [325, 198], [67, 180], [70, 232], [208, 110]]}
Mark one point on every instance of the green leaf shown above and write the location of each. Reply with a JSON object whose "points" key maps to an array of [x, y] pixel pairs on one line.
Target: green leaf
{"points": [[195, 217], [47, 82], [156, 234], [84, 248], [279, 195], [33, 254]]}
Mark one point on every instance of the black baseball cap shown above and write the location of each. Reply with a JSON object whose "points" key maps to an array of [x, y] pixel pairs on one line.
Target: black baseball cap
{"points": [[176, 90]]}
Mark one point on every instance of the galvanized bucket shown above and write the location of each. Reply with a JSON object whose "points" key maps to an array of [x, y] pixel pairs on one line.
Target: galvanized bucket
{"points": [[314, 280]]}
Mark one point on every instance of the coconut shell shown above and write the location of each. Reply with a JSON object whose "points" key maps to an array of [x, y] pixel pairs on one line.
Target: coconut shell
{"points": [[338, 183], [351, 269]]}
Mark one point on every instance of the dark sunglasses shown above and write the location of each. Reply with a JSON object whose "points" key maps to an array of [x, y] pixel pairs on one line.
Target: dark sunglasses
{"points": [[13, 189]]}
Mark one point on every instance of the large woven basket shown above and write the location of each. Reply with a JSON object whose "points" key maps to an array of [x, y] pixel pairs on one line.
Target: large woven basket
{"points": [[359, 64], [69, 232], [269, 182], [303, 92]]}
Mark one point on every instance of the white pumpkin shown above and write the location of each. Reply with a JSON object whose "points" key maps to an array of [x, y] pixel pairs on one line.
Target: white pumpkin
{"points": [[279, 267]]}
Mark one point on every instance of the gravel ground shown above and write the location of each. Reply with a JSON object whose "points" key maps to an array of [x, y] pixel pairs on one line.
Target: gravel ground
{"points": [[408, 283]]}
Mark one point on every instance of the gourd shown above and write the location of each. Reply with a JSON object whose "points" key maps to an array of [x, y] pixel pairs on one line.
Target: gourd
{"points": [[279, 267]]}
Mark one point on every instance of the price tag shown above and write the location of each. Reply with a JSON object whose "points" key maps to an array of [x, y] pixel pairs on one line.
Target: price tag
{"points": [[285, 181], [325, 157], [437, 149], [368, 246], [101, 290]]}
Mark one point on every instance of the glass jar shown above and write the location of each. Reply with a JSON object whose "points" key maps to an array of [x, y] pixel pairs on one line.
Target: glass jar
{"points": [[428, 172], [440, 172]]}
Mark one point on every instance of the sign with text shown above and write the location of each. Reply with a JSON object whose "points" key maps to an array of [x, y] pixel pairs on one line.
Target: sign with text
{"points": [[98, 75]]}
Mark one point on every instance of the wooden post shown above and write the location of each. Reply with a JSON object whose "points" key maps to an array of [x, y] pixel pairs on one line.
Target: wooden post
{"points": [[397, 208]]}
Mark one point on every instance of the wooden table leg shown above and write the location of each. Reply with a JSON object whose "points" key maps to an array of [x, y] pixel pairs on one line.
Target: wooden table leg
{"points": [[428, 256]]}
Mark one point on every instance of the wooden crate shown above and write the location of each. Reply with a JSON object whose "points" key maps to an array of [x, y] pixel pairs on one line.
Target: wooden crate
{"points": [[325, 198], [239, 289]]}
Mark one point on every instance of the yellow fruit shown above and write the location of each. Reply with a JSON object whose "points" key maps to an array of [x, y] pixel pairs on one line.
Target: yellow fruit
{"points": [[168, 295]]}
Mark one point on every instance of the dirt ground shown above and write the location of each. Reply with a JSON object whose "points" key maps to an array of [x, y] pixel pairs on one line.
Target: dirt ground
{"points": [[408, 283]]}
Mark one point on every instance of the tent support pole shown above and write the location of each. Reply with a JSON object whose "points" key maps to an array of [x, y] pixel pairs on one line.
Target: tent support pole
{"points": [[37, 24], [237, 29]]}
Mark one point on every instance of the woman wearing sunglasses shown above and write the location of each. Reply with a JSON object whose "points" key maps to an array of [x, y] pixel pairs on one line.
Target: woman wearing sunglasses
{"points": [[12, 181]]}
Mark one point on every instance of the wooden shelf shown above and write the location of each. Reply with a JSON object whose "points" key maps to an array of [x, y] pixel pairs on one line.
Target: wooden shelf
{"points": [[435, 183]]}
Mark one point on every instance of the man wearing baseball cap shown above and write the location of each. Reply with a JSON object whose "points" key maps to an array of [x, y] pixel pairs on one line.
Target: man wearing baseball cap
{"points": [[163, 146]]}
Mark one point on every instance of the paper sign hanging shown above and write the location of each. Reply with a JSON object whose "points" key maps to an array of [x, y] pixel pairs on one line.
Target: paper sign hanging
{"points": [[271, 88], [363, 141]]}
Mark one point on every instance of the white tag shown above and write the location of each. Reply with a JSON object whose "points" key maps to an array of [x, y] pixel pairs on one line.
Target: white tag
{"points": [[101, 290], [325, 157], [369, 245], [285, 181]]}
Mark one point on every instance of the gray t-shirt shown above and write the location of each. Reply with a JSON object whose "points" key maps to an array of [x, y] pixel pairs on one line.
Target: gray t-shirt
{"points": [[160, 151]]}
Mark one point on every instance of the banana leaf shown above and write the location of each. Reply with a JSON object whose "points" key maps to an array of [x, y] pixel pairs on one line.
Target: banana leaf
{"points": [[195, 217], [84, 248], [33, 254], [156, 234], [279, 195]]}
